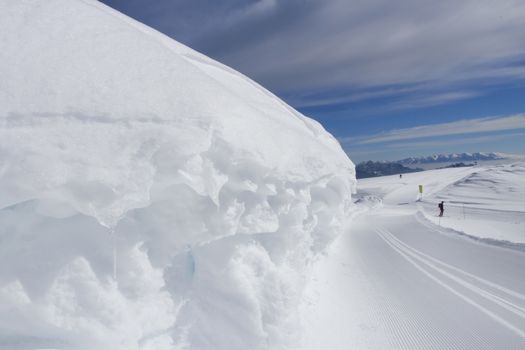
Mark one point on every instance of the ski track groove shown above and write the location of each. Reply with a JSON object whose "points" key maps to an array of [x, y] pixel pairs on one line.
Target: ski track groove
{"points": [[479, 338], [405, 337], [408, 328], [411, 257], [397, 327], [380, 314], [518, 310], [419, 335], [483, 344], [505, 290], [420, 326], [392, 316]]}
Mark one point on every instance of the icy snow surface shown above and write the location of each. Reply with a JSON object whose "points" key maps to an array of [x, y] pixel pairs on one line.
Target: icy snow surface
{"points": [[216, 195]]}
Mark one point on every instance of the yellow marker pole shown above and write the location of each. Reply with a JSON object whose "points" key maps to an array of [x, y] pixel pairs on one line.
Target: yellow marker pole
{"points": [[420, 192]]}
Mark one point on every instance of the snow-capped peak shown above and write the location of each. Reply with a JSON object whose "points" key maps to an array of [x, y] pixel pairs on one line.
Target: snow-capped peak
{"points": [[452, 157]]}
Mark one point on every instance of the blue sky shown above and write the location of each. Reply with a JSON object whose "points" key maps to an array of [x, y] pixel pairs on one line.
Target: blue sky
{"points": [[388, 79]]}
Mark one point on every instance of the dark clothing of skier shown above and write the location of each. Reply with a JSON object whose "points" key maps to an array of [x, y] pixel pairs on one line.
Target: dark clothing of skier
{"points": [[441, 208]]}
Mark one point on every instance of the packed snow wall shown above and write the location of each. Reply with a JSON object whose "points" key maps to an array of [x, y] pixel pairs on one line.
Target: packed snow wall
{"points": [[123, 149]]}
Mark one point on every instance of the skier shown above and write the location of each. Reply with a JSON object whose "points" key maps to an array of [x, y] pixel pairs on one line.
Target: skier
{"points": [[400, 176], [441, 208]]}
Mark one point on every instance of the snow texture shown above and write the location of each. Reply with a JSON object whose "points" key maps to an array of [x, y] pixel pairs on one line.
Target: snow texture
{"points": [[484, 202], [215, 194], [403, 278]]}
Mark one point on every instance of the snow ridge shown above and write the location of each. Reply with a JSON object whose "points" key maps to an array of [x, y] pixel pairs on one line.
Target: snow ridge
{"points": [[454, 157], [217, 195]]}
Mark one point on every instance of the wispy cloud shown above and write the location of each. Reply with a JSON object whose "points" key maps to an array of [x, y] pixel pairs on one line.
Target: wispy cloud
{"points": [[342, 42], [434, 99], [468, 126], [295, 47], [433, 144], [403, 149], [336, 98]]}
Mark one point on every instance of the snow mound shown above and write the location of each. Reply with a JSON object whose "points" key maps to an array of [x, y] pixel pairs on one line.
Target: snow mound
{"points": [[487, 204], [216, 195], [497, 187]]}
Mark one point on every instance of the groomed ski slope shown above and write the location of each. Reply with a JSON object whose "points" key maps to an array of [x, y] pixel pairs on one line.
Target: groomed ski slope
{"points": [[398, 280], [484, 202]]}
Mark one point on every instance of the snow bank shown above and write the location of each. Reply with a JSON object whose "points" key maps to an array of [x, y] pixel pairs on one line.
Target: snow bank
{"points": [[215, 194], [499, 187], [487, 204]]}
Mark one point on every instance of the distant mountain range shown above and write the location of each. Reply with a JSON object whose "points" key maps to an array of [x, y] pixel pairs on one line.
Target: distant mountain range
{"points": [[454, 157], [373, 169], [407, 165]]}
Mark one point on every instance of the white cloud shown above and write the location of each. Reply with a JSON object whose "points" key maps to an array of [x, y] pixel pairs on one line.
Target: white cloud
{"points": [[433, 144], [468, 126], [297, 47], [434, 99], [380, 42]]}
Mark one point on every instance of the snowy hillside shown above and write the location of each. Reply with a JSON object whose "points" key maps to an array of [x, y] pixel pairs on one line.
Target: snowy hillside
{"points": [[485, 202], [489, 204], [121, 148], [403, 278]]}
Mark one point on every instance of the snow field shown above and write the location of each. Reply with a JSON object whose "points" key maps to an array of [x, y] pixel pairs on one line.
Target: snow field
{"points": [[394, 281], [485, 202]]}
